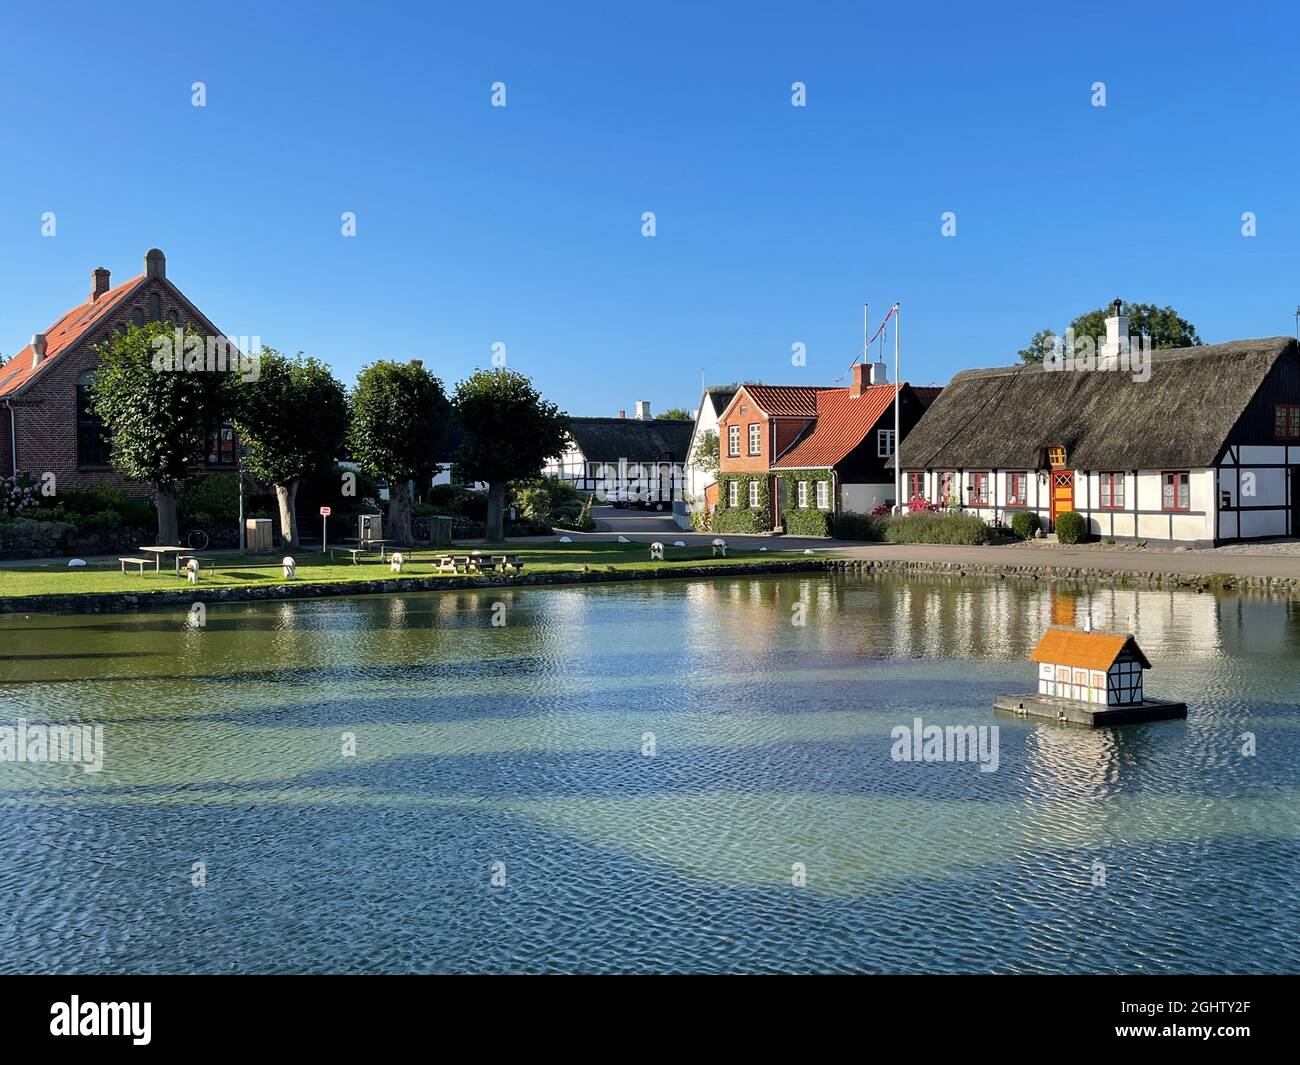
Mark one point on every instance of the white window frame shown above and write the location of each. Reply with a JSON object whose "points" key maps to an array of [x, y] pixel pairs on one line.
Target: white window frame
{"points": [[755, 438], [753, 494], [803, 495], [823, 495], [733, 493], [733, 441], [884, 443]]}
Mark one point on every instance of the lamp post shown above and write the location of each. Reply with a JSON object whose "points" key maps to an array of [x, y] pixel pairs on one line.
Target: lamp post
{"points": [[243, 545]]}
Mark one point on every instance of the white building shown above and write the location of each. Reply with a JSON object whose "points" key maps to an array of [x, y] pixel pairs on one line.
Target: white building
{"points": [[1204, 450], [712, 403]]}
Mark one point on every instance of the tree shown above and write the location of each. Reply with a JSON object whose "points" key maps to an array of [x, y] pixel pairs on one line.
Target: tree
{"points": [[1162, 324], [159, 404], [674, 414], [399, 422], [708, 452], [294, 419], [509, 432]]}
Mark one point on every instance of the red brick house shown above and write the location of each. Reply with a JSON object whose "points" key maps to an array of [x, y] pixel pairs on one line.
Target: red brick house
{"points": [[820, 449], [46, 425]]}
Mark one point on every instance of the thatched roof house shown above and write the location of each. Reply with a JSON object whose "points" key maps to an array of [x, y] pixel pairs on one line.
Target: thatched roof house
{"points": [[1200, 447]]}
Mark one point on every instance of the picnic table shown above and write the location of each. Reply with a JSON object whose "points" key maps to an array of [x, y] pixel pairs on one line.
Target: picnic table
{"points": [[363, 543], [476, 562], [158, 552]]}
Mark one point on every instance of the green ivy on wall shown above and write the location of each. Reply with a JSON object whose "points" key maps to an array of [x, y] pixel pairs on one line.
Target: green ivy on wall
{"points": [[741, 518], [809, 520]]}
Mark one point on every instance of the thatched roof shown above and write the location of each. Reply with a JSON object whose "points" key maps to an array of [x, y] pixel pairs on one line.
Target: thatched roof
{"points": [[611, 439], [1003, 418]]}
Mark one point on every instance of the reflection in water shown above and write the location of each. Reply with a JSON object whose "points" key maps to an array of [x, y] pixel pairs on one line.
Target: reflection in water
{"points": [[771, 702]]}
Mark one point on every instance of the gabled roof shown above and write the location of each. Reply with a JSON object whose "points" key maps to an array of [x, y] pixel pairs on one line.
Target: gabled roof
{"points": [[777, 401], [1180, 417], [611, 439], [1087, 650], [62, 335], [720, 396], [842, 422]]}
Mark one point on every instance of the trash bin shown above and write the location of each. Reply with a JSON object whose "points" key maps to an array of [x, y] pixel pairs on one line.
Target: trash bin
{"points": [[257, 536]]}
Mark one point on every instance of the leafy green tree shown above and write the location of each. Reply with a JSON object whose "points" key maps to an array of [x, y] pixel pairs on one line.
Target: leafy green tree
{"points": [[158, 414], [708, 452], [509, 433], [294, 419], [399, 421], [1165, 327], [674, 414]]}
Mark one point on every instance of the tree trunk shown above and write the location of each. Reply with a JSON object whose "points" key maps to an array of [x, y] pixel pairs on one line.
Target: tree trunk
{"points": [[165, 500], [287, 496], [496, 506], [399, 513]]}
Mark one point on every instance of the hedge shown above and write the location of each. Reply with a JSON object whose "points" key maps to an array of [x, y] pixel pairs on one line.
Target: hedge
{"points": [[805, 521], [1071, 527], [739, 520], [937, 528], [850, 525]]}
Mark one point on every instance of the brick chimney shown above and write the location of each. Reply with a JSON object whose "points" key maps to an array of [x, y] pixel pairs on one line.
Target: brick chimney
{"points": [[98, 282], [622, 414], [859, 381]]}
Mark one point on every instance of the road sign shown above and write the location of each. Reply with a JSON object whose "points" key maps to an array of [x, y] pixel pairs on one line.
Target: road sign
{"points": [[324, 512]]}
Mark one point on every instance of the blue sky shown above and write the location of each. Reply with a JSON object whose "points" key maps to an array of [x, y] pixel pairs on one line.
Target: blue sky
{"points": [[774, 223]]}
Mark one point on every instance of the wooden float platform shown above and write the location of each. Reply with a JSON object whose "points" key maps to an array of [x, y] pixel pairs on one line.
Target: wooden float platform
{"points": [[1093, 715]]}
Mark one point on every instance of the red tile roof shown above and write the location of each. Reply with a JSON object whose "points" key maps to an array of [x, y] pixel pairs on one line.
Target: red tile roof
{"points": [[842, 422], [18, 371], [799, 401]]}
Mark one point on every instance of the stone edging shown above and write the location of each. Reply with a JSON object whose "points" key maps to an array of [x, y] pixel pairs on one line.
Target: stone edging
{"points": [[1154, 578]]}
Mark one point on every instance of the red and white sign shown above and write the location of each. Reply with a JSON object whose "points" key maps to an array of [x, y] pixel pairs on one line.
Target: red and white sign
{"points": [[324, 512]]}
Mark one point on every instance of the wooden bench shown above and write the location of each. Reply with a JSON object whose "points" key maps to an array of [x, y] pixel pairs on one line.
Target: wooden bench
{"points": [[355, 552], [451, 564], [513, 562], [141, 562]]}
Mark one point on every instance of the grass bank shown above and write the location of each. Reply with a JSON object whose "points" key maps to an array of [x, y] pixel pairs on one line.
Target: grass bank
{"points": [[236, 571]]}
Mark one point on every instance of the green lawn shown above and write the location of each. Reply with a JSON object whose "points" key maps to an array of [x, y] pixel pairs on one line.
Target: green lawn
{"points": [[55, 578]]}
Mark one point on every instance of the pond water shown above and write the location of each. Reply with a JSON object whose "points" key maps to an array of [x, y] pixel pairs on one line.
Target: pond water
{"points": [[650, 777]]}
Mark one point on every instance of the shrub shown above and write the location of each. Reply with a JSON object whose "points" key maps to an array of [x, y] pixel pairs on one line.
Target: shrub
{"points": [[701, 520], [1071, 527], [852, 526], [1025, 523], [803, 521], [208, 500], [739, 520], [582, 521], [937, 528], [18, 494], [546, 499]]}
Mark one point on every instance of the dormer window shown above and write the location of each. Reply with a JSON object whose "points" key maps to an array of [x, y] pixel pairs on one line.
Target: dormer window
{"points": [[1056, 457]]}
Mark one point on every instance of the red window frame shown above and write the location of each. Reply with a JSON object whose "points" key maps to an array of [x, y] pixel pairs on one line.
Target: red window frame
{"points": [[1182, 490], [915, 485], [947, 485], [979, 485], [1286, 421], [1017, 488], [1111, 490]]}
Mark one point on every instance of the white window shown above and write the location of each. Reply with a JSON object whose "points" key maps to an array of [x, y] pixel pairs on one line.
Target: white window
{"points": [[733, 493], [884, 443], [755, 438], [823, 495], [803, 493], [753, 493], [733, 440]]}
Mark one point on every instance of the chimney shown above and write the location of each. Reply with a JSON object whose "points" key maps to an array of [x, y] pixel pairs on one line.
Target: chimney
{"points": [[1116, 335], [879, 373], [98, 282], [155, 263], [859, 381], [38, 349], [643, 410], [622, 414]]}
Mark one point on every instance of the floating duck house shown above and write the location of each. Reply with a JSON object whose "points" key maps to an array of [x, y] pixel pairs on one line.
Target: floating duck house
{"points": [[1089, 678]]}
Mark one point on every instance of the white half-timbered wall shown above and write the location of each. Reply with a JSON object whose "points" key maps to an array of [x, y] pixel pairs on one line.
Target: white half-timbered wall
{"points": [[1256, 487]]}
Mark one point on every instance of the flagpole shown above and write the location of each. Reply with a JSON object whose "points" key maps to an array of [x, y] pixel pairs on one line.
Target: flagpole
{"points": [[898, 437]]}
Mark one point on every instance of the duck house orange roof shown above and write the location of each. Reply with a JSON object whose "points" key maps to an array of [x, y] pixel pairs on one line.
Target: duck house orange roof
{"points": [[1087, 650]]}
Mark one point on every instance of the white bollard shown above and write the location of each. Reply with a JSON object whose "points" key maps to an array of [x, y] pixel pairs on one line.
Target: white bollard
{"points": [[719, 547], [657, 551], [395, 562], [290, 568]]}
